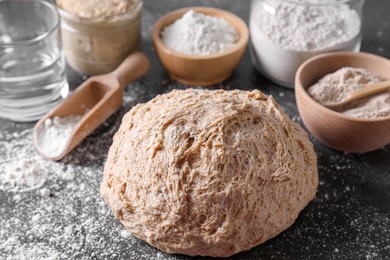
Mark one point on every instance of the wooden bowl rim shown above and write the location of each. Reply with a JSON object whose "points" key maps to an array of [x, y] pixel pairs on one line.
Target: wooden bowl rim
{"points": [[242, 30], [341, 54]]}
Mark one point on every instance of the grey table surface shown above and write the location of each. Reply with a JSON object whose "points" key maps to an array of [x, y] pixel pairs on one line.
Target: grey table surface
{"points": [[350, 216]]}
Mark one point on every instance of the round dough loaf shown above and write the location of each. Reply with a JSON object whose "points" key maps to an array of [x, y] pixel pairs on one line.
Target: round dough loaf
{"points": [[212, 173]]}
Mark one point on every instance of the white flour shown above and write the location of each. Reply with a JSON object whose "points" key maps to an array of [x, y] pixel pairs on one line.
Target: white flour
{"points": [[53, 210], [198, 34], [341, 84], [285, 34], [55, 133], [24, 175]]}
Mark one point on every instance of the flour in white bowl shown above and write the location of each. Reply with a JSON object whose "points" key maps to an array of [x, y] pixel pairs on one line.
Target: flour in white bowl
{"points": [[199, 34], [285, 34]]}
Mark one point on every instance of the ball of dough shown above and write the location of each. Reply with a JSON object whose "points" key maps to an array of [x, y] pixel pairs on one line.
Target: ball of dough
{"points": [[211, 173]]}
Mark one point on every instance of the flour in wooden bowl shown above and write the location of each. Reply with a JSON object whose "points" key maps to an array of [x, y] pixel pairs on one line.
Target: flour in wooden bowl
{"points": [[199, 34], [345, 82]]}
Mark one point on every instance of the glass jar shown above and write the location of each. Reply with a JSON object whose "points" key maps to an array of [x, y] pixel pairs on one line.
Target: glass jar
{"points": [[285, 33], [32, 63], [97, 46]]}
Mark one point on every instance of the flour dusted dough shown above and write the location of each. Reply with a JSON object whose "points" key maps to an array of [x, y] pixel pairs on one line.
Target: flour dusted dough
{"points": [[212, 173]]}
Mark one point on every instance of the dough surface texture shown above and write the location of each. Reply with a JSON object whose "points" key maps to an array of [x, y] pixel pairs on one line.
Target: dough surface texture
{"points": [[209, 172]]}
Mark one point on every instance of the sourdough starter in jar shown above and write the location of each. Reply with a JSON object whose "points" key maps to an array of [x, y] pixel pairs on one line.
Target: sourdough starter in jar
{"points": [[285, 33], [99, 35]]}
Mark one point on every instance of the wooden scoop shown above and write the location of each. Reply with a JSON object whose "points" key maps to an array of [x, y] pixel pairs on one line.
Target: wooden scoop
{"points": [[367, 90], [99, 96]]}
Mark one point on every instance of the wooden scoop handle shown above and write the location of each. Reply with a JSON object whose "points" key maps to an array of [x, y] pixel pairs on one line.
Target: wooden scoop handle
{"points": [[133, 67], [366, 91], [371, 89]]}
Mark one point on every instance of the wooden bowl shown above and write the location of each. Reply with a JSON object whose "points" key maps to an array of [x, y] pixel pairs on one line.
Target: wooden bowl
{"points": [[202, 70], [336, 130]]}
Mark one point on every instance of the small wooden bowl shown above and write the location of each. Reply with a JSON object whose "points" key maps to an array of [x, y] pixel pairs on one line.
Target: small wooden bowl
{"points": [[202, 70], [336, 130]]}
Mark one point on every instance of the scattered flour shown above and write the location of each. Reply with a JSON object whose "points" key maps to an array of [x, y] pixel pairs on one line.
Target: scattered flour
{"points": [[53, 210], [198, 34], [341, 84], [55, 133], [23, 175], [124, 233], [285, 34]]}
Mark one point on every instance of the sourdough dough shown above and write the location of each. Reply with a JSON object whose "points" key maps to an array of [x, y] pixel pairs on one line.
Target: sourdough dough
{"points": [[211, 173]]}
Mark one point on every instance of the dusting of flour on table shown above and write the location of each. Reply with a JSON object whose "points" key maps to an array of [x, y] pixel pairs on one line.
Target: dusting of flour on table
{"points": [[341, 84], [198, 34], [53, 210], [285, 34], [55, 134], [24, 175]]}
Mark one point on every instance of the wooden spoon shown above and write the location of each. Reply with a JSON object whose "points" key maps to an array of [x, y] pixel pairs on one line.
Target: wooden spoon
{"points": [[99, 96], [367, 90]]}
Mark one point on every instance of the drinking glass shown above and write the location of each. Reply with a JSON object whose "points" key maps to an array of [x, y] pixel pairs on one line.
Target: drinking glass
{"points": [[32, 64]]}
